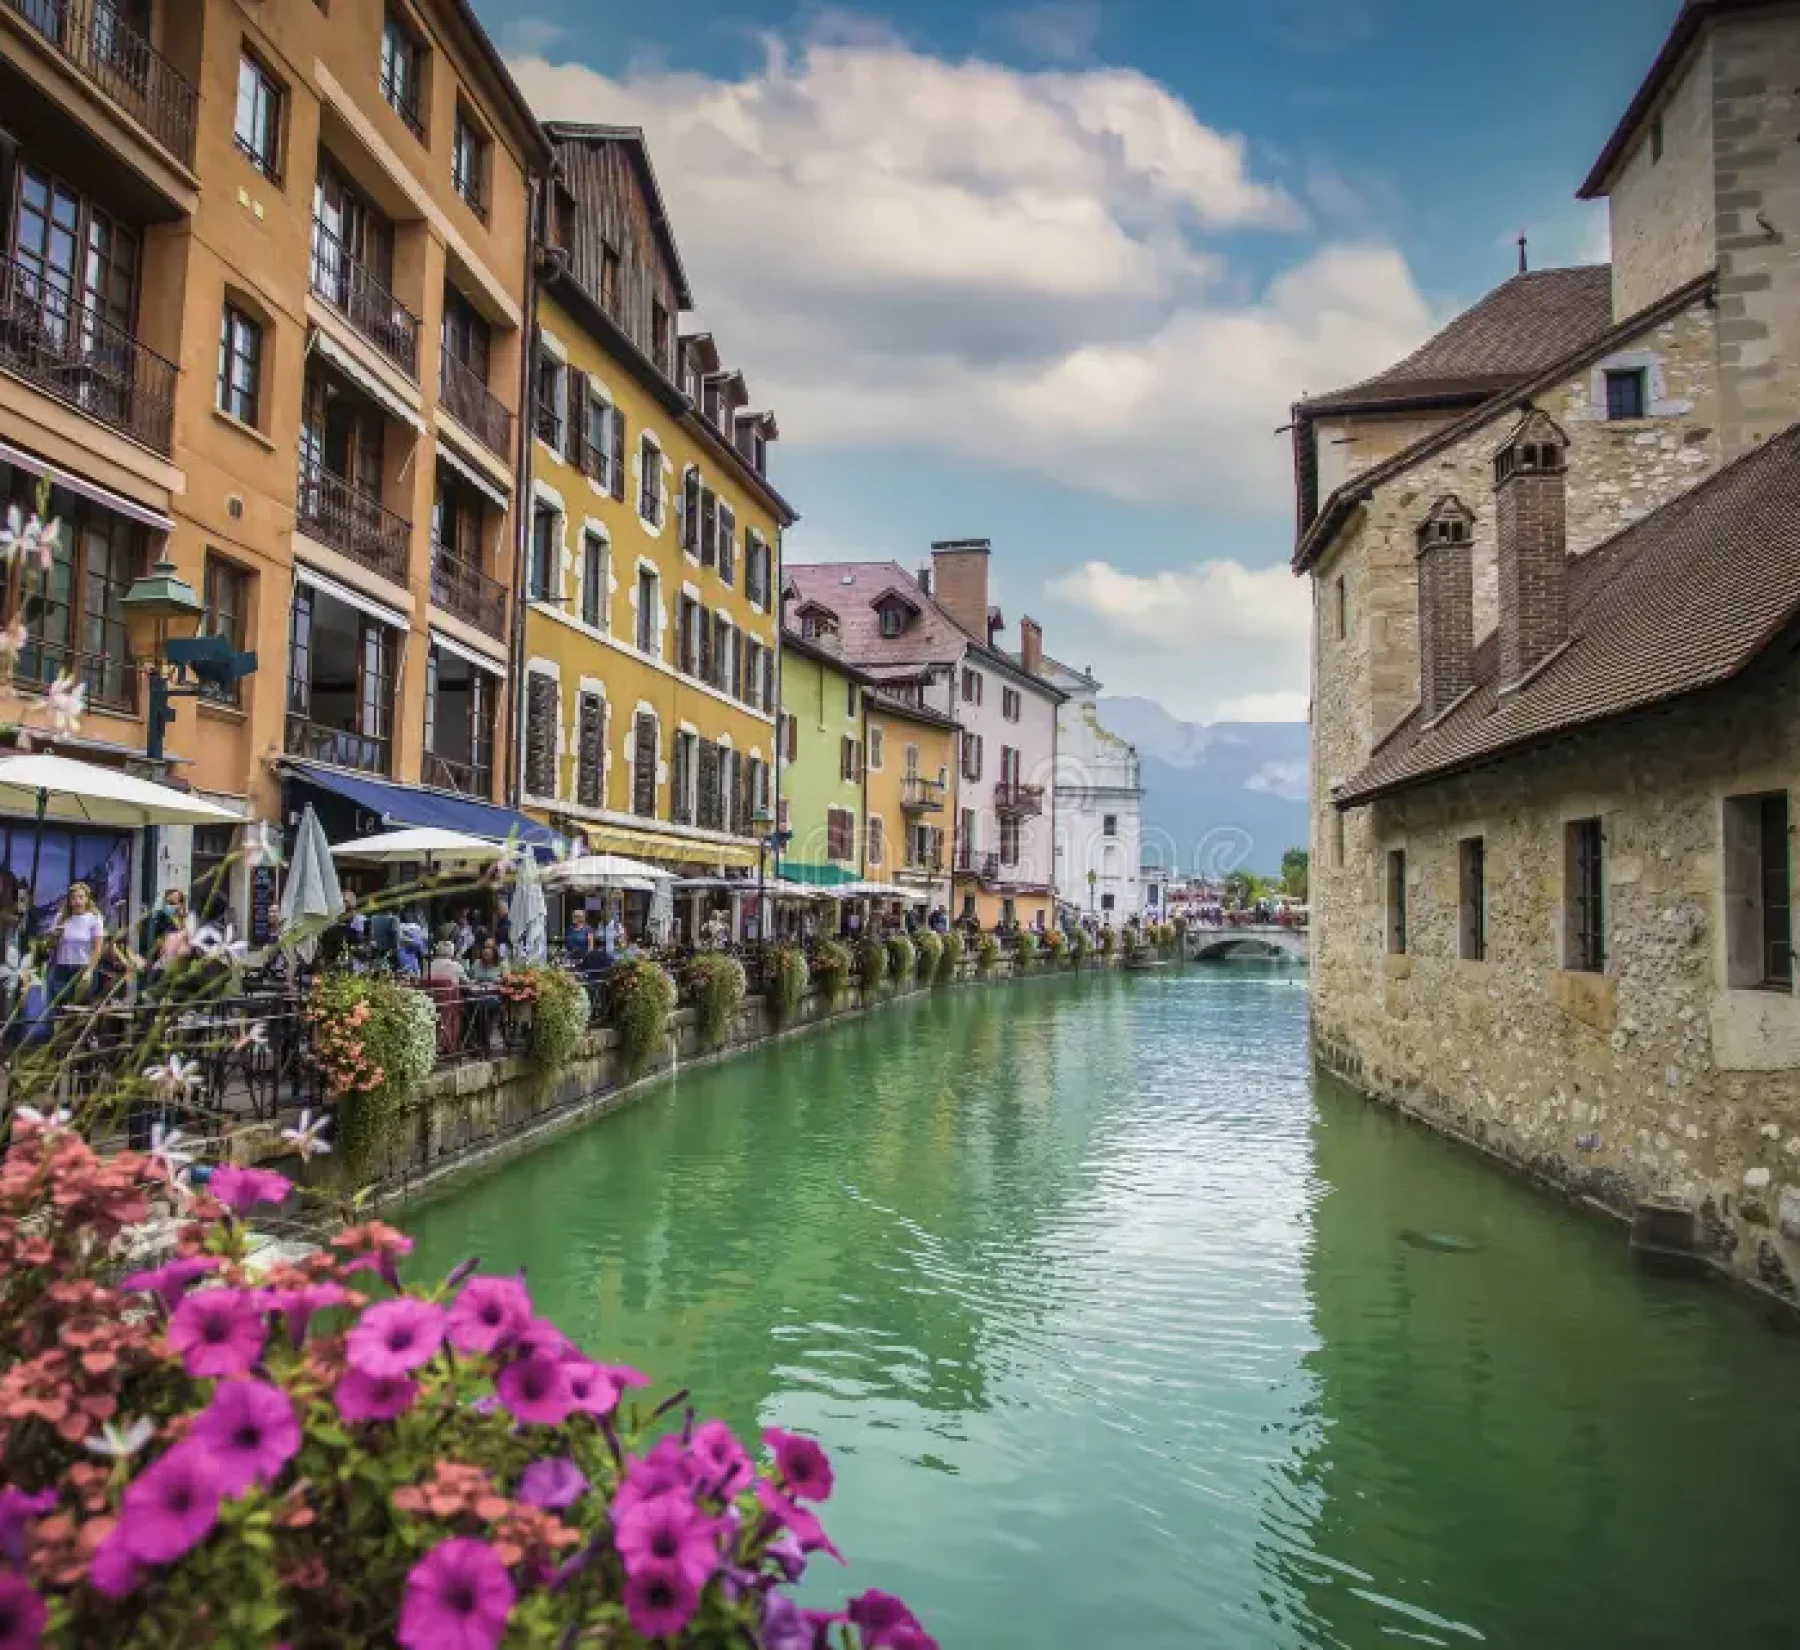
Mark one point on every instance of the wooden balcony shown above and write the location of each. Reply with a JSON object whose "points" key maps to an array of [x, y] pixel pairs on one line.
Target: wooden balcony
{"points": [[460, 587], [922, 796], [329, 509], [110, 54], [345, 282], [71, 352], [1022, 801], [473, 405]]}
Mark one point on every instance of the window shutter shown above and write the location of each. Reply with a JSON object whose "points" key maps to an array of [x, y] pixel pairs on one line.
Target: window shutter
{"points": [[793, 736], [709, 527], [727, 545], [768, 678], [690, 509], [540, 736], [643, 766], [590, 754], [706, 645], [737, 669], [681, 810], [618, 452], [574, 424], [709, 785]]}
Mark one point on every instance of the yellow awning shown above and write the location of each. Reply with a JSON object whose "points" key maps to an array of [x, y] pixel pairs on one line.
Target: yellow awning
{"points": [[674, 850]]}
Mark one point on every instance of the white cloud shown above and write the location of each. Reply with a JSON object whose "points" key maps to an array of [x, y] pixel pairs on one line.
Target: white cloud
{"points": [[1017, 267], [1060, 31], [1283, 779]]}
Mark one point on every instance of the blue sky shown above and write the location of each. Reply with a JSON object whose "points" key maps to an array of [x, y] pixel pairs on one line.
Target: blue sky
{"points": [[1051, 273]]}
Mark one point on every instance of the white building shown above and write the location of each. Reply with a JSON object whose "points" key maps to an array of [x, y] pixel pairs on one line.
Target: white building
{"points": [[1099, 805]]}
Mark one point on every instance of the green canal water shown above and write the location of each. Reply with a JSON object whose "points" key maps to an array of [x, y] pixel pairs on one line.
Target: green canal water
{"points": [[1126, 1331]]}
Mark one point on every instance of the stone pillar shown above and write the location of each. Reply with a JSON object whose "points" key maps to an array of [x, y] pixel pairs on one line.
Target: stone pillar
{"points": [[1446, 580], [1530, 494]]}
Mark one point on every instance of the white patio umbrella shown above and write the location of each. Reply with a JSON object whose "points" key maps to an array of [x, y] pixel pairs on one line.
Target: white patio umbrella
{"points": [[312, 898], [59, 787], [426, 843], [603, 871], [530, 920]]}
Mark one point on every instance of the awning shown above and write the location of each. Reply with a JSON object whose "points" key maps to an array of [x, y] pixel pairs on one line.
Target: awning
{"points": [[413, 805], [87, 489], [474, 656], [366, 381], [351, 597], [473, 474], [817, 876], [656, 845]]}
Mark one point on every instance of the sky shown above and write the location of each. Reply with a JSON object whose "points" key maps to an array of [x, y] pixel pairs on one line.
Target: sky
{"points": [[1052, 274]]}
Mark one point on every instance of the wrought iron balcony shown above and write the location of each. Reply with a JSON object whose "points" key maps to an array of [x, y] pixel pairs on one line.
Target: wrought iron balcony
{"points": [[341, 747], [1011, 797], [345, 282], [922, 796], [473, 405], [331, 510], [108, 52], [460, 587], [445, 773], [72, 352]]}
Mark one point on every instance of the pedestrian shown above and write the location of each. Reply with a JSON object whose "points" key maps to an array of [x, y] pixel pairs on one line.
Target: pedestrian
{"points": [[169, 918], [79, 931]]}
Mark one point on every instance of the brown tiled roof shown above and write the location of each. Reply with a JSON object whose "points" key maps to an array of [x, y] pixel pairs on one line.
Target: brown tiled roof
{"points": [[1683, 600], [1320, 532], [1516, 331], [1694, 16]]}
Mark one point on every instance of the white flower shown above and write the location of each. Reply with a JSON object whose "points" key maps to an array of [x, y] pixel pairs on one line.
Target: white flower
{"points": [[221, 944], [251, 1034], [308, 1136], [119, 1443], [66, 700], [53, 1120], [9, 534], [12, 641]]}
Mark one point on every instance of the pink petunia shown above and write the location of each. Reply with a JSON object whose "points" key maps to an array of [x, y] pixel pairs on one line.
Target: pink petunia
{"points": [[395, 1337], [790, 1515], [802, 1464], [536, 1390], [660, 1601], [591, 1389], [251, 1432], [363, 1397], [668, 1530], [555, 1483], [458, 1597], [299, 1305], [726, 1465], [242, 1190], [171, 1507], [218, 1332], [168, 1283], [113, 1571], [489, 1314]]}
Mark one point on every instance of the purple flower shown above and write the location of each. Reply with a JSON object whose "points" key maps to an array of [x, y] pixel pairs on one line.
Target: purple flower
{"points": [[665, 1470], [536, 1389], [802, 1465], [542, 1339], [171, 1507], [17, 1509], [489, 1314], [395, 1336], [880, 1615], [21, 1614], [660, 1601], [623, 1375], [169, 1283], [784, 1627], [556, 1483], [790, 1515], [784, 1549], [591, 1389], [242, 1190], [218, 1332], [250, 1431], [458, 1597], [363, 1397], [664, 1530], [726, 1466], [114, 1571]]}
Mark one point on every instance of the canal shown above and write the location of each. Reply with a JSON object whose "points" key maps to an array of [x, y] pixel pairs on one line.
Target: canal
{"points": [[1125, 1331]]}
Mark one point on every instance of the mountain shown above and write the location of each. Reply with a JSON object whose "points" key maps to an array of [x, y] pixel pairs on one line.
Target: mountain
{"points": [[1218, 796]]}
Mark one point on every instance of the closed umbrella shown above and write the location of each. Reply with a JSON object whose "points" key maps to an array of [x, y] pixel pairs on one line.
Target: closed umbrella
{"points": [[527, 913], [312, 899]]}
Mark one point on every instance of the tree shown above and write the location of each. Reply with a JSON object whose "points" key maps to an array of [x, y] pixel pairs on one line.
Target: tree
{"points": [[1295, 868]]}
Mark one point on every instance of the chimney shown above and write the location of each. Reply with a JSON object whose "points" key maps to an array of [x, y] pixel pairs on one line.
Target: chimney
{"points": [[925, 579], [1031, 646], [1446, 606], [1529, 485], [959, 577]]}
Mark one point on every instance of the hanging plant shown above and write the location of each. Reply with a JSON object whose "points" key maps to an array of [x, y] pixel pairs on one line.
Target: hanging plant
{"points": [[554, 1003], [1056, 945], [871, 962], [643, 998], [930, 951], [831, 967], [717, 981], [374, 1042], [1109, 942], [1082, 947], [951, 959], [1028, 948], [900, 956], [987, 953], [788, 979]]}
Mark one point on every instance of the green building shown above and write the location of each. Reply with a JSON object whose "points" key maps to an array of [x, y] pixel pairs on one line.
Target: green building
{"points": [[822, 748]]}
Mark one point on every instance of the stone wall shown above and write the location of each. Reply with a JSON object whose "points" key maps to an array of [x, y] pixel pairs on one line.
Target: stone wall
{"points": [[1653, 1078]]}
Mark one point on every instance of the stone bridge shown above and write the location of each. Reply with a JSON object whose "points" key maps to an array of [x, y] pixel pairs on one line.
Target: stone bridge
{"points": [[1265, 941]]}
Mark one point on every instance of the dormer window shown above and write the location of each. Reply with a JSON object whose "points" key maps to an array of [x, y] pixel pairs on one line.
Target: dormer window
{"points": [[1542, 458], [1448, 523], [893, 620]]}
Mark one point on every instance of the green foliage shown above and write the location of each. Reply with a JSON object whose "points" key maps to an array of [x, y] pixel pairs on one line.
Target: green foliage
{"points": [[951, 959], [871, 962], [930, 949], [987, 953], [718, 985], [1081, 948], [1295, 871], [901, 957], [831, 967], [643, 998], [1109, 941], [559, 1014], [1056, 945], [375, 1042], [788, 979], [1027, 948]]}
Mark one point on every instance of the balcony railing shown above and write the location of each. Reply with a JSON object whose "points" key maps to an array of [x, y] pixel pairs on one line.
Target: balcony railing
{"points": [[339, 746], [460, 587], [107, 51], [344, 281], [1010, 797], [332, 511], [473, 405], [444, 773], [74, 353], [922, 796], [112, 683], [547, 424]]}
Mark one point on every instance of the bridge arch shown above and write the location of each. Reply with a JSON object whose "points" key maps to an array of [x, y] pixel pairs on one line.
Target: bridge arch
{"points": [[1246, 944]]}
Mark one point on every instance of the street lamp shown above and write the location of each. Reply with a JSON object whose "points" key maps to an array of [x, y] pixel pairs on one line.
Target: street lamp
{"points": [[162, 625], [768, 840]]}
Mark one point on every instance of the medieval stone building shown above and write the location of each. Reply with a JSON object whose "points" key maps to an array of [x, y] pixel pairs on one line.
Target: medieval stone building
{"points": [[1556, 706]]}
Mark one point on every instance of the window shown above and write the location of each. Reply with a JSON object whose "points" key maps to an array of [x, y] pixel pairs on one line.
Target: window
{"points": [[877, 740], [562, 218], [209, 872], [971, 756], [257, 127], [1759, 918], [540, 734], [643, 766], [876, 839], [1472, 898], [659, 337], [546, 547], [460, 702], [650, 499], [849, 759], [851, 702], [1342, 602], [727, 544], [226, 588], [1010, 704], [688, 511], [240, 365], [1584, 860], [1108, 901], [1109, 824], [840, 834], [469, 148], [893, 620], [971, 686], [596, 446], [649, 621], [547, 420], [403, 72], [609, 280], [1009, 839], [1396, 901], [681, 791], [793, 738], [1656, 141], [1625, 394], [594, 577], [967, 833]]}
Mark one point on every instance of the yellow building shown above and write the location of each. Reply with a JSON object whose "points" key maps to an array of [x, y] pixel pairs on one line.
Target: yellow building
{"points": [[649, 665], [910, 797]]}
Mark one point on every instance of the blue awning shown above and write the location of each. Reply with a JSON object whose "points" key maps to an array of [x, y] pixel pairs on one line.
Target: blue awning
{"points": [[398, 805]]}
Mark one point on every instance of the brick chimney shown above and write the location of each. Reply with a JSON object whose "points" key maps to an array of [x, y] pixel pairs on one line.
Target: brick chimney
{"points": [[1529, 490], [959, 578], [1031, 646], [1446, 605]]}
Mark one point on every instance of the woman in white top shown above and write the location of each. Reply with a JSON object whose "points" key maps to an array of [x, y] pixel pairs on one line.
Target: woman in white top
{"points": [[444, 968], [80, 933]]}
